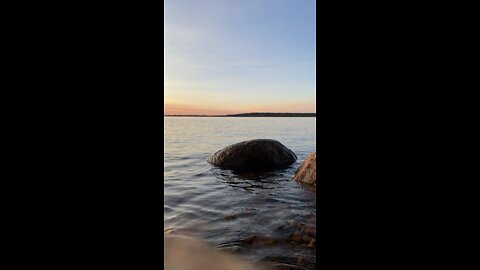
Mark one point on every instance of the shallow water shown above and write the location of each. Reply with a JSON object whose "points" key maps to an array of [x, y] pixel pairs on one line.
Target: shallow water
{"points": [[265, 218]]}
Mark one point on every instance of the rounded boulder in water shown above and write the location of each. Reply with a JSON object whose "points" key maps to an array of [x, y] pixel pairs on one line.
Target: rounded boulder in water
{"points": [[254, 155]]}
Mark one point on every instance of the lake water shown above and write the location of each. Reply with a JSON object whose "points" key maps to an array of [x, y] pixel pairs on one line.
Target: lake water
{"points": [[265, 218]]}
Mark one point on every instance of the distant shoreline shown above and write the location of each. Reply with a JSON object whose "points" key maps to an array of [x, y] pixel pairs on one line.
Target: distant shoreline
{"points": [[251, 115]]}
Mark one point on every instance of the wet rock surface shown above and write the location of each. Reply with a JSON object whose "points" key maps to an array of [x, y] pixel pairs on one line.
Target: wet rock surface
{"points": [[254, 155], [307, 172]]}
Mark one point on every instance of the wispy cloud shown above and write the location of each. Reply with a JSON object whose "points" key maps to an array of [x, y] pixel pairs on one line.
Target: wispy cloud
{"points": [[232, 53]]}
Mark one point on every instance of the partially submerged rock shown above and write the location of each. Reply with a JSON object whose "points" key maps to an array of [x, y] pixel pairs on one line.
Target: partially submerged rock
{"points": [[307, 172], [254, 155]]}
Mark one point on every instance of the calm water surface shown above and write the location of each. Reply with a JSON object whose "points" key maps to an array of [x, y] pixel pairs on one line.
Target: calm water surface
{"points": [[265, 218]]}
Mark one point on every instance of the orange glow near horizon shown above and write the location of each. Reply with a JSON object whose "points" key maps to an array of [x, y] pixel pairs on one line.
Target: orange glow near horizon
{"points": [[191, 110], [290, 107]]}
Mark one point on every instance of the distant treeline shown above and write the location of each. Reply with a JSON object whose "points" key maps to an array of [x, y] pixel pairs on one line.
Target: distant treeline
{"points": [[266, 114], [191, 115]]}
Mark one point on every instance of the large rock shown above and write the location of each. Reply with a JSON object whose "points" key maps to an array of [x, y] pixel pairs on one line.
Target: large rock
{"points": [[254, 155], [307, 172]]}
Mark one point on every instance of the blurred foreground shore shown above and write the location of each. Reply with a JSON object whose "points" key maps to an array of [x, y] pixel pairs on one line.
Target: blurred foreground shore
{"points": [[185, 253]]}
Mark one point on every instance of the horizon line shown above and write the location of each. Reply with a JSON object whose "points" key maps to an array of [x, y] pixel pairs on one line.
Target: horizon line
{"points": [[244, 114]]}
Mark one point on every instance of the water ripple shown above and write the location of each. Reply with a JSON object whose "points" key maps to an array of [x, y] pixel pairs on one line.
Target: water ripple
{"points": [[267, 217]]}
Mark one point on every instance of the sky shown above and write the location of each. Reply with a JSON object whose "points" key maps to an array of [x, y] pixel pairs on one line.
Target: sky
{"points": [[238, 56]]}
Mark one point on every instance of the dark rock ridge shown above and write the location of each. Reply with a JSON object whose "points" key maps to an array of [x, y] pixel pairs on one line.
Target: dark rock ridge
{"points": [[307, 172], [254, 155]]}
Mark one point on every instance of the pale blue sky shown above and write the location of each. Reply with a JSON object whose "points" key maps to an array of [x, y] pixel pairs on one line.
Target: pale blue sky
{"points": [[239, 55]]}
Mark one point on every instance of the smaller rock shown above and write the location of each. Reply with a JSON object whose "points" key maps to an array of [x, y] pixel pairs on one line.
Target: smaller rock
{"points": [[307, 172]]}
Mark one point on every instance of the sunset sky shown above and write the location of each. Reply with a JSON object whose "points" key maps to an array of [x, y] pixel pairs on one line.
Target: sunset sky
{"points": [[236, 56]]}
